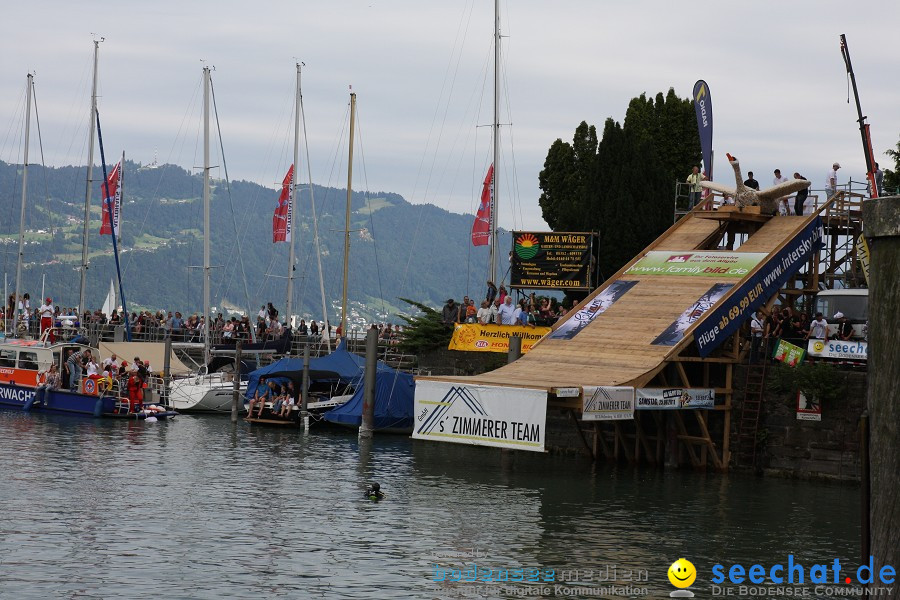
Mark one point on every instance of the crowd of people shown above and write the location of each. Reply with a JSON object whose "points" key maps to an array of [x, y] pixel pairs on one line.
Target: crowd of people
{"points": [[795, 327], [499, 308]]}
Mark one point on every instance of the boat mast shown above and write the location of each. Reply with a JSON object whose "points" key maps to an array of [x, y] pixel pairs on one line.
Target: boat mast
{"points": [[495, 129], [312, 202], [29, 84], [347, 219], [293, 209], [206, 269], [88, 184]]}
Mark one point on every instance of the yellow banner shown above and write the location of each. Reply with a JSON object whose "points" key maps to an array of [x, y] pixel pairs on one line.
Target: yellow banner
{"points": [[494, 338]]}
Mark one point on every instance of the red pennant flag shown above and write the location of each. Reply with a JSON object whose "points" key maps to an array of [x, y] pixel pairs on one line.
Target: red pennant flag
{"points": [[481, 228], [283, 220], [115, 199]]}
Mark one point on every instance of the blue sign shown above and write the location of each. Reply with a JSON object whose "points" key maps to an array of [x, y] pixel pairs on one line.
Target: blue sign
{"points": [[703, 108], [753, 292]]}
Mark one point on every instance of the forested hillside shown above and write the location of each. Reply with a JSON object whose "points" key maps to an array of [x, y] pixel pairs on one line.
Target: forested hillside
{"points": [[397, 249]]}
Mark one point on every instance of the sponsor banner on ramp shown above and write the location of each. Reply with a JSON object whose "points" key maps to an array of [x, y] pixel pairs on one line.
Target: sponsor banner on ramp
{"points": [[675, 332], [594, 308], [742, 303], [481, 415], [493, 338], [608, 403], [673, 398], [697, 263], [846, 350]]}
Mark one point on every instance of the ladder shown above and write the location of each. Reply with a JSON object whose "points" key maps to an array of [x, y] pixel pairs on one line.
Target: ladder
{"points": [[751, 408]]}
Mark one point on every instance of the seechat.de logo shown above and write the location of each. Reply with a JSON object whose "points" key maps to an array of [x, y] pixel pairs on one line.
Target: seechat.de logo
{"points": [[682, 575]]}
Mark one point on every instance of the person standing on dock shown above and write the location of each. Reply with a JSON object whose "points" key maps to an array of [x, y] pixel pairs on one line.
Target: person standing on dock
{"points": [[694, 180], [831, 181], [46, 310]]}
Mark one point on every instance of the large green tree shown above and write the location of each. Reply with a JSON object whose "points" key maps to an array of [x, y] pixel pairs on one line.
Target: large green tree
{"points": [[622, 185], [892, 177]]}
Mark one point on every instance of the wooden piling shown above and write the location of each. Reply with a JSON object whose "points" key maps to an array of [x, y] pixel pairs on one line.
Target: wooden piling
{"points": [[235, 398], [367, 425]]}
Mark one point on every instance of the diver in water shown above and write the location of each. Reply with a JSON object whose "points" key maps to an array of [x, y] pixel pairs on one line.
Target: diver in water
{"points": [[373, 492]]}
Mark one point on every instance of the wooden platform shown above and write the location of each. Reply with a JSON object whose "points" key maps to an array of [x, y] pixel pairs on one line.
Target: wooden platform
{"points": [[616, 347]]}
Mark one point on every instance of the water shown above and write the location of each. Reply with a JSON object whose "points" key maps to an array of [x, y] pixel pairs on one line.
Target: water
{"points": [[194, 508]]}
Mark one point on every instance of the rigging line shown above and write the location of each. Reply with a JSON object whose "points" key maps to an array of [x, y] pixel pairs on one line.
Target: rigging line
{"points": [[362, 156], [162, 172], [516, 197], [78, 128], [230, 198], [20, 108], [37, 121]]}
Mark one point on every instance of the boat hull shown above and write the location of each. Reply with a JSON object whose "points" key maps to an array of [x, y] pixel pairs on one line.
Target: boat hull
{"points": [[66, 402]]}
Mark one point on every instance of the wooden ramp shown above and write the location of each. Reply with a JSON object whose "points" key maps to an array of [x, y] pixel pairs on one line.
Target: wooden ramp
{"points": [[617, 347]]}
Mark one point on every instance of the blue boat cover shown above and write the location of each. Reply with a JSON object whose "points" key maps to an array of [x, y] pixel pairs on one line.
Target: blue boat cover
{"points": [[347, 367], [394, 394]]}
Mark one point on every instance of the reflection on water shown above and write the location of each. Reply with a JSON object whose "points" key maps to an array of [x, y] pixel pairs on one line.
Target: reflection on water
{"points": [[197, 508]]}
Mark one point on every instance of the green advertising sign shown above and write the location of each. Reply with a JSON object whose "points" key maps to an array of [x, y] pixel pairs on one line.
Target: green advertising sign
{"points": [[698, 263]]}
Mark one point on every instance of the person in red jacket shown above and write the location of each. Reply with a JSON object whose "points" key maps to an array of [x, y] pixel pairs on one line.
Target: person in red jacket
{"points": [[135, 391]]}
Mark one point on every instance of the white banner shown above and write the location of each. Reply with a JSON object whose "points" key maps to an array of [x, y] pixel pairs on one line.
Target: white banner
{"points": [[838, 349], [674, 398], [480, 414], [608, 403]]}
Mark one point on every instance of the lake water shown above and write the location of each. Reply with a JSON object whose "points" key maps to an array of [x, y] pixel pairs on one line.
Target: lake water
{"points": [[198, 508]]}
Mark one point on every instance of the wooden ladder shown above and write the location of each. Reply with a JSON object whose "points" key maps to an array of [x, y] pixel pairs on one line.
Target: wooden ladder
{"points": [[748, 426]]}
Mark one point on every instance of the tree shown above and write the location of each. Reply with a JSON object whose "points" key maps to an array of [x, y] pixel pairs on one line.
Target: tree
{"points": [[892, 177]]}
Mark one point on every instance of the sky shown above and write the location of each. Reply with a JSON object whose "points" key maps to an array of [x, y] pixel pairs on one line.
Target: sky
{"points": [[422, 74]]}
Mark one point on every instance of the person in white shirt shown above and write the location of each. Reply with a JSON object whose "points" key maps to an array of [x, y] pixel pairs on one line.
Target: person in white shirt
{"points": [[818, 329], [111, 364], [46, 310], [484, 313], [91, 365], [783, 208], [495, 312], [831, 181], [507, 312]]}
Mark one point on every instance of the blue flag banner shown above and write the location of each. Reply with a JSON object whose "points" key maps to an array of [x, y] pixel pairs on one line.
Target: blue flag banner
{"points": [[703, 108], [761, 285]]}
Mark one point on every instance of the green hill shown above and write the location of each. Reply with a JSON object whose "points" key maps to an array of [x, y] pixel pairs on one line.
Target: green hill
{"points": [[397, 249]]}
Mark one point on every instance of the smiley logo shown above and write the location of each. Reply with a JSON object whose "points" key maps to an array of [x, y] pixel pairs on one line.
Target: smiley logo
{"points": [[682, 573], [818, 346]]}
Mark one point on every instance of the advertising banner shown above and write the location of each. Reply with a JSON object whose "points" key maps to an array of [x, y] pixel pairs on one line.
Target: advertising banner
{"points": [[493, 338], [608, 403], [705, 263], [551, 260], [731, 313], [788, 353], [703, 108], [675, 332], [838, 349], [808, 410], [482, 415], [597, 306], [673, 398]]}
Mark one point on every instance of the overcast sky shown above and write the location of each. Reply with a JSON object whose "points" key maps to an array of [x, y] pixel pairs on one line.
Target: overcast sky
{"points": [[421, 73]]}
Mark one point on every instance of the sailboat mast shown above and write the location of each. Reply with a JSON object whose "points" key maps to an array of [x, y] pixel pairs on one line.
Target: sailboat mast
{"points": [[312, 202], [29, 84], [293, 211], [495, 141], [347, 218], [88, 185], [206, 268]]}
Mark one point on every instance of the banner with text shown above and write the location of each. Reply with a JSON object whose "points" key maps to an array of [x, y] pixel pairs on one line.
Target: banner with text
{"points": [[473, 337], [482, 415], [706, 263], [674, 333], [703, 109], [551, 260], [846, 350], [608, 403], [594, 308], [673, 398], [756, 289]]}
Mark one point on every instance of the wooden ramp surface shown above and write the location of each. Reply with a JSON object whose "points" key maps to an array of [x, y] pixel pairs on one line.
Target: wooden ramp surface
{"points": [[617, 348]]}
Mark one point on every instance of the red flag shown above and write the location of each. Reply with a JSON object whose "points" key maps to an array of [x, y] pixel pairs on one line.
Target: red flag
{"points": [[114, 198], [481, 228], [283, 220]]}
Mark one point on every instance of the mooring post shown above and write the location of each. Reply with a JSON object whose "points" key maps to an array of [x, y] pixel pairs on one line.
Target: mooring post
{"points": [[515, 349], [367, 426], [304, 387], [167, 369], [882, 221], [236, 395]]}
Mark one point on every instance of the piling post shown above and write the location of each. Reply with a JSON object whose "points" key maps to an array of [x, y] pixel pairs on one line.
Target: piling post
{"points": [[515, 349], [367, 426], [304, 388], [236, 395], [882, 222], [167, 369]]}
